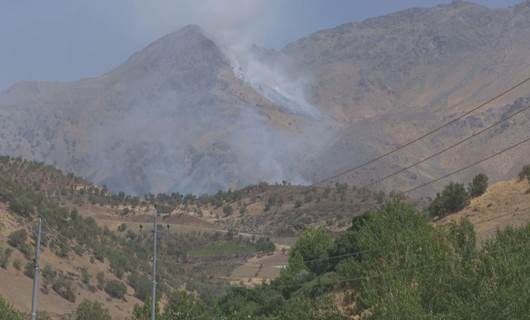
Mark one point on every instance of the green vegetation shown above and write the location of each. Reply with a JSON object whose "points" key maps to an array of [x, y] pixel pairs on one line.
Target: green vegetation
{"points": [[18, 239], [394, 264], [91, 310], [63, 286], [115, 289], [453, 198], [183, 305], [5, 255], [7, 312], [265, 245], [478, 186]]}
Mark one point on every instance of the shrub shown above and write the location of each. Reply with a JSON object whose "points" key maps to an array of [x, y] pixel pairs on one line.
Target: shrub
{"points": [[17, 238], [227, 210], [21, 205], [313, 246], [17, 264], [64, 288], [4, 257], [91, 310], [122, 227], [140, 284], [453, 198], [7, 312], [265, 245], [478, 186], [29, 270], [525, 173], [183, 305], [115, 289], [48, 275]]}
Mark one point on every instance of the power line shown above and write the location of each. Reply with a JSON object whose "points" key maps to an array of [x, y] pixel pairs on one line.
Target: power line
{"points": [[450, 122], [468, 166], [34, 298], [447, 148]]}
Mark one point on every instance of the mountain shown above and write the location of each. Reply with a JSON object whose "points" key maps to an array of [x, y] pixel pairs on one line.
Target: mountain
{"points": [[187, 114]]}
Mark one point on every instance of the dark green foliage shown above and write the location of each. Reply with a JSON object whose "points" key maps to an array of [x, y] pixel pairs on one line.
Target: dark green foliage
{"points": [[453, 198], [115, 289], [313, 246], [17, 264], [265, 245], [48, 275], [22, 205], [29, 270], [525, 173], [478, 186], [91, 310], [17, 238], [144, 312], [227, 211], [141, 285], [64, 287], [7, 312], [183, 306], [5, 255]]}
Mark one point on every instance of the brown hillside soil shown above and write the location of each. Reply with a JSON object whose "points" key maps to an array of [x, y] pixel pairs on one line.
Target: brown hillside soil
{"points": [[16, 287], [505, 204], [261, 269]]}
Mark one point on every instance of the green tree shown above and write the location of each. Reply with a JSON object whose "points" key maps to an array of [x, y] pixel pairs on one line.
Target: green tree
{"points": [[7, 312], [478, 186], [183, 306], [91, 310], [116, 289], [313, 246], [144, 312], [453, 198]]}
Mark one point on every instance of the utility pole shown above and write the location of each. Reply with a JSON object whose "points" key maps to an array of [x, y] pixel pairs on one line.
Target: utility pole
{"points": [[34, 301], [155, 239]]}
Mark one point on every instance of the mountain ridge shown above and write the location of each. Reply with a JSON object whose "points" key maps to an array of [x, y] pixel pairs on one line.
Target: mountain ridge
{"points": [[181, 115]]}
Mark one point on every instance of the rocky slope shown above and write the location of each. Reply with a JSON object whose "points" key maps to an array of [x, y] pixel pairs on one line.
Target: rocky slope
{"points": [[184, 114]]}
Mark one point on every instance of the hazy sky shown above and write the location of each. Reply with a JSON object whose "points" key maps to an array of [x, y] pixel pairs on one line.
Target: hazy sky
{"points": [[70, 39]]}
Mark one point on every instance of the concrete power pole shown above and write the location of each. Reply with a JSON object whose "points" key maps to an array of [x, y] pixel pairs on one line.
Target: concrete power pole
{"points": [[34, 301], [155, 239]]}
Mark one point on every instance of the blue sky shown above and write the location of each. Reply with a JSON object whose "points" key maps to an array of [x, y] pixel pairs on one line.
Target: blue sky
{"points": [[71, 39]]}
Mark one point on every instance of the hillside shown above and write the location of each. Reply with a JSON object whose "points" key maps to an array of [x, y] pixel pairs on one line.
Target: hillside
{"points": [[505, 204], [185, 115], [206, 242]]}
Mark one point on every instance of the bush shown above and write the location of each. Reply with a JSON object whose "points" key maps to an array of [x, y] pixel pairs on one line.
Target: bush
{"points": [[525, 173], [478, 186], [17, 264], [63, 287], [29, 270], [183, 305], [227, 210], [115, 289], [313, 246], [17, 238], [141, 285], [48, 275], [5, 254], [265, 245], [91, 310], [453, 198], [7, 312]]}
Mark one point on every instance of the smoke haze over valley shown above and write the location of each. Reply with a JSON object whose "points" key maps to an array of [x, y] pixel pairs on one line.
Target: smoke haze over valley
{"points": [[204, 109]]}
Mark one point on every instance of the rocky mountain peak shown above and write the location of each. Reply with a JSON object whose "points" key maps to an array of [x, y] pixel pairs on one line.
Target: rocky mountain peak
{"points": [[184, 49]]}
